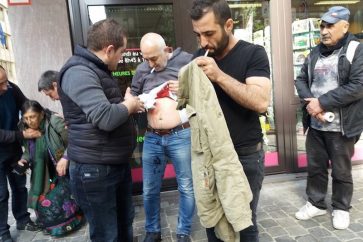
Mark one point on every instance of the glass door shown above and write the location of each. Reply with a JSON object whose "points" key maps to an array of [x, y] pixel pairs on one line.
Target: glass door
{"points": [[138, 18], [252, 24]]}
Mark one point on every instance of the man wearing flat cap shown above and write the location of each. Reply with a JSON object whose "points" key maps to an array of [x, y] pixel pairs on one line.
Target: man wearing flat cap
{"points": [[331, 81]]}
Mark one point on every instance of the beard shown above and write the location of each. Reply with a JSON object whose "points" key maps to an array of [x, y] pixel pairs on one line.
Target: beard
{"points": [[221, 45]]}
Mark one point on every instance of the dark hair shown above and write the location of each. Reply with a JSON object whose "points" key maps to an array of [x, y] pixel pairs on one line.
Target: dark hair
{"points": [[46, 80], [220, 8], [104, 33], [33, 106]]}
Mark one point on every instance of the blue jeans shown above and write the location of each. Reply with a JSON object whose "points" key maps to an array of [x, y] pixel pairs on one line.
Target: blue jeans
{"points": [[104, 193], [18, 199], [253, 166], [176, 147]]}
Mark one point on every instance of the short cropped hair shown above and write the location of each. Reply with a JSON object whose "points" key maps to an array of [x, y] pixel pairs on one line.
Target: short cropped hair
{"points": [[46, 80], [104, 33], [220, 9]]}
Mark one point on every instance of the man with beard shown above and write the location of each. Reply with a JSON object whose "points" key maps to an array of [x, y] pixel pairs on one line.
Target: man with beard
{"points": [[240, 74], [331, 80]]}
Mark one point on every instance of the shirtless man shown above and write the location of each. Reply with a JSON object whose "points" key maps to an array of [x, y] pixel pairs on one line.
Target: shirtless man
{"points": [[167, 136]]}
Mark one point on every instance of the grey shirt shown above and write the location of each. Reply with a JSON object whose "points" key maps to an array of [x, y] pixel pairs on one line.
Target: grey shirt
{"points": [[84, 88]]}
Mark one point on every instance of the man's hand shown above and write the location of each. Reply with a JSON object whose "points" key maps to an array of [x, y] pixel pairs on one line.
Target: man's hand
{"points": [[133, 103], [313, 106], [173, 86], [31, 134], [62, 166], [209, 67], [22, 162], [320, 117]]}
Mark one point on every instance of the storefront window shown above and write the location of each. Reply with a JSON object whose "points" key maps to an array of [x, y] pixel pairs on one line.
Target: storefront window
{"points": [[306, 35], [252, 24]]}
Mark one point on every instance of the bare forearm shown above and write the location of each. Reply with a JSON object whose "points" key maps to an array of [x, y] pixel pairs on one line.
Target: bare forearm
{"points": [[254, 95]]}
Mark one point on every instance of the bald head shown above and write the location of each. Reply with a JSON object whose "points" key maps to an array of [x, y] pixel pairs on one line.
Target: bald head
{"points": [[154, 51], [152, 40]]}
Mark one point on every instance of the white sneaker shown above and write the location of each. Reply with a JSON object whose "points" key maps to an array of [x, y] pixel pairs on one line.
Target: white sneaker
{"points": [[309, 211], [340, 219]]}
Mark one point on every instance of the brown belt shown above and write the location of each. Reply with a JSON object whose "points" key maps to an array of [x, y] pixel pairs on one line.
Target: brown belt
{"points": [[247, 150], [162, 132]]}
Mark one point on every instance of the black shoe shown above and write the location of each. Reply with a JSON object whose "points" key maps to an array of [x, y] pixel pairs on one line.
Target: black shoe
{"points": [[6, 238], [183, 238], [152, 237], [30, 226]]}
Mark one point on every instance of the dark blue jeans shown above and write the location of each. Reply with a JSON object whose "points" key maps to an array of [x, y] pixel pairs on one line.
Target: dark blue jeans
{"points": [[253, 166], [19, 195], [104, 193]]}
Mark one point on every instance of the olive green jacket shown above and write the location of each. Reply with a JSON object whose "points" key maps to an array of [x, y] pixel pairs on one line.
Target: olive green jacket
{"points": [[222, 191]]}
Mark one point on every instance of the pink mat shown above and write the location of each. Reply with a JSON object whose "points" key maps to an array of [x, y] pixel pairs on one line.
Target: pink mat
{"points": [[271, 159]]}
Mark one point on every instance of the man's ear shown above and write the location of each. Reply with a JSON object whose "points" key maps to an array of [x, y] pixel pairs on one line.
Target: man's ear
{"points": [[168, 49], [54, 84], [228, 26], [346, 27], [109, 50]]}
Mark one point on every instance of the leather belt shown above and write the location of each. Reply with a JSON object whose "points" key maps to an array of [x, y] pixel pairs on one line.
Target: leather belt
{"points": [[162, 132], [247, 150]]}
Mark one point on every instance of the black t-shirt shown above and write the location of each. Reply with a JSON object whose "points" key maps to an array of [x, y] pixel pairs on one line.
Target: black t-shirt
{"points": [[243, 61]]}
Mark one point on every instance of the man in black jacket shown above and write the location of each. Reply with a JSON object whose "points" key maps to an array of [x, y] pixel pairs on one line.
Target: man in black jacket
{"points": [[101, 133], [11, 99], [331, 80]]}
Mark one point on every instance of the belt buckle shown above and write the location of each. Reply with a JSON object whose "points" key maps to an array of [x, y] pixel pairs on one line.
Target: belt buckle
{"points": [[161, 132]]}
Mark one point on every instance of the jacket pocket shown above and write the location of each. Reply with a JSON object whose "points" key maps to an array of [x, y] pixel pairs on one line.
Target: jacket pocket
{"points": [[195, 135]]}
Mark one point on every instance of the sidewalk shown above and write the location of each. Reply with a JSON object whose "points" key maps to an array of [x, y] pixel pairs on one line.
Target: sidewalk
{"points": [[281, 196]]}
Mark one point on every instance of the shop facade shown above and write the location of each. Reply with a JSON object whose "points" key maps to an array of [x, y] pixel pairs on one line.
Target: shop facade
{"points": [[288, 29]]}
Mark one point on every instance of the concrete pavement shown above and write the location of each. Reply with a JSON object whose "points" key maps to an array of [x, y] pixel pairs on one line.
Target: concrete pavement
{"points": [[281, 197]]}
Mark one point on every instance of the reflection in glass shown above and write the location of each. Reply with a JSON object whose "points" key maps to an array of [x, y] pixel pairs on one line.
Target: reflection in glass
{"points": [[252, 24]]}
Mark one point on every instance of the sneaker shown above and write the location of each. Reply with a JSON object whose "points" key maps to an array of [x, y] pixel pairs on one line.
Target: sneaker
{"points": [[340, 219], [309, 211], [152, 237], [30, 226], [183, 238], [6, 238]]}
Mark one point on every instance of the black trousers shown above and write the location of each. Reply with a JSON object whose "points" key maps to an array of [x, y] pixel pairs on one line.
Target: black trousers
{"points": [[322, 146]]}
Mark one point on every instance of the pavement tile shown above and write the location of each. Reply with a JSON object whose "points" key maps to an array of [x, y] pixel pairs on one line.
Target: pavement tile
{"points": [[281, 196], [284, 239], [306, 238]]}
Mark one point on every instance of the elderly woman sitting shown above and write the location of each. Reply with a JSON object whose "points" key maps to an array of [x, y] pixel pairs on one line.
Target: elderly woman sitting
{"points": [[49, 194]]}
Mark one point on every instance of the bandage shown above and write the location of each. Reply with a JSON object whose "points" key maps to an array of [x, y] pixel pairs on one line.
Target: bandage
{"points": [[329, 116], [183, 115]]}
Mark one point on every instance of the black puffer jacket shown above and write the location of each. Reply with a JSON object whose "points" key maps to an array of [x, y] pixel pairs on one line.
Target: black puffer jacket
{"points": [[348, 97], [87, 143]]}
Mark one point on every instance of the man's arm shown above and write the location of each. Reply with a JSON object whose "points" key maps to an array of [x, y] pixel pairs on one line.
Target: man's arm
{"points": [[350, 91], [254, 94], [302, 82], [19, 96], [84, 88], [10, 136]]}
